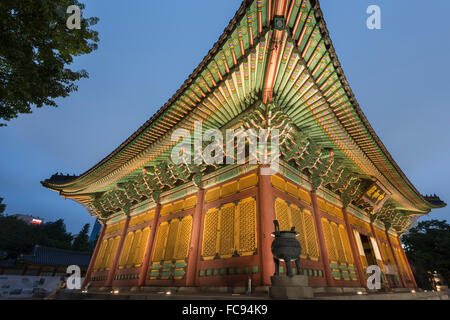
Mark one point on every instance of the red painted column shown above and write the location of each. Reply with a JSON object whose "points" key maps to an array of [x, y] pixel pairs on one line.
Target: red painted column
{"points": [[266, 226], [94, 257], [194, 248], [322, 244], [400, 273], [379, 249], [149, 247], [351, 239], [411, 274], [112, 271]]}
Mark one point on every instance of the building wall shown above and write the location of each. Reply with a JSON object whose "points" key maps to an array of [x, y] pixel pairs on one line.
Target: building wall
{"points": [[230, 245]]}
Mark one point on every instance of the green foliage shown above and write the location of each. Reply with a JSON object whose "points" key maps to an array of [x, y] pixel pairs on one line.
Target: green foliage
{"points": [[2, 206], [57, 236], [17, 236], [35, 49], [427, 247], [81, 241]]}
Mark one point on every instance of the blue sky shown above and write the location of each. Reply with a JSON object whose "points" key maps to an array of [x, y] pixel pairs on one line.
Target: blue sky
{"points": [[148, 48]]}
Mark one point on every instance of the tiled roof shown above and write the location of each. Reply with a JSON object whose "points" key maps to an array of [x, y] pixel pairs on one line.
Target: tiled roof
{"points": [[56, 257], [10, 263]]}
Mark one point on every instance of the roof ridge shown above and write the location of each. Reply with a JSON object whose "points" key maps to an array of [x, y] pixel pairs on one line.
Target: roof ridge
{"points": [[60, 250]]}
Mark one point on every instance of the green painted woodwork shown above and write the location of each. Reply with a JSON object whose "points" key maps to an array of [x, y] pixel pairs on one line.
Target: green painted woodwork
{"points": [[334, 143]]}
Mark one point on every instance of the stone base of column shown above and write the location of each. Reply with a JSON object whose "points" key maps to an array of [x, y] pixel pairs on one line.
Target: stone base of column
{"points": [[295, 287]]}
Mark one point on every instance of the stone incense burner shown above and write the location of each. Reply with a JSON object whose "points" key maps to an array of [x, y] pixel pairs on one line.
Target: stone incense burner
{"points": [[286, 248]]}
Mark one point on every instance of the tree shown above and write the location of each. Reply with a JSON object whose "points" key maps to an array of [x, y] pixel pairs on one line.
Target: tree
{"points": [[2, 206], [57, 235], [81, 241], [35, 49], [427, 247], [17, 236]]}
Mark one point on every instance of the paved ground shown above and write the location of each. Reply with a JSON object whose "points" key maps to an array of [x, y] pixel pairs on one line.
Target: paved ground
{"points": [[228, 296]]}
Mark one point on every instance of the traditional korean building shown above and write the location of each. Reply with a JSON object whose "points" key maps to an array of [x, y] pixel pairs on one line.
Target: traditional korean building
{"points": [[167, 224]]}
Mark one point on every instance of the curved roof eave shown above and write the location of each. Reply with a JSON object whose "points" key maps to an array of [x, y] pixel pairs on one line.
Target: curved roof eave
{"points": [[54, 185]]}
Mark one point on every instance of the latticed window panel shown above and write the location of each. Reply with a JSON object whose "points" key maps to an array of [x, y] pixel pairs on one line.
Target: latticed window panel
{"points": [[394, 241], [282, 214], [126, 249], [100, 255], [107, 253], [184, 238], [142, 218], [132, 258], [389, 257], [364, 262], [108, 257], [297, 222], [332, 251], [172, 248], [304, 196], [209, 245], [322, 205], [337, 242], [160, 244], [139, 259], [310, 235], [226, 230], [171, 239], [402, 262], [112, 253], [115, 227], [346, 244], [290, 216], [381, 235], [247, 226], [359, 223], [104, 257]]}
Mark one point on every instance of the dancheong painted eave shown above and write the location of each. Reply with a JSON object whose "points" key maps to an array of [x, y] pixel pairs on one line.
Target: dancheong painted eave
{"points": [[276, 52]]}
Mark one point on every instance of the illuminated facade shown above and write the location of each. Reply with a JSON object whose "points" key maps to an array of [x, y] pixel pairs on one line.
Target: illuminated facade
{"points": [[203, 225]]}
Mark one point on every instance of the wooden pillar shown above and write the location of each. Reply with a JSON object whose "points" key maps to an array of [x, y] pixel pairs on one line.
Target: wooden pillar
{"points": [[355, 252], [399, 271], [94, 257], [408, 266], [322, 244], [383, 258], [266, 227], [149, 247], [194, 247], [112, 271]]}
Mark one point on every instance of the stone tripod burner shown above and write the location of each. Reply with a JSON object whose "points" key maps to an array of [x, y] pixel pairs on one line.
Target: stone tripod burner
{"points": [[286, 248]]}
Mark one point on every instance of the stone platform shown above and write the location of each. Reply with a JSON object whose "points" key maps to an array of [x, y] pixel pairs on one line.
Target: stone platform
{"points": [[295, 287]]}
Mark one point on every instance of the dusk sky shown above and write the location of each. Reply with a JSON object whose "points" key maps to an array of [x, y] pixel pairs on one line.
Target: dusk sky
{"points": [[148, 49]]}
